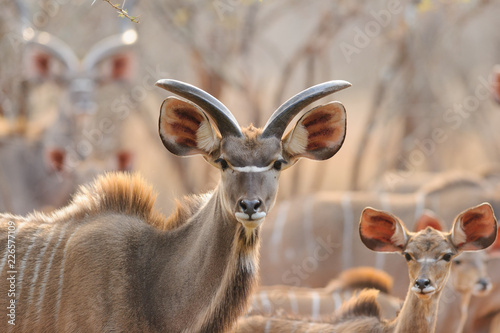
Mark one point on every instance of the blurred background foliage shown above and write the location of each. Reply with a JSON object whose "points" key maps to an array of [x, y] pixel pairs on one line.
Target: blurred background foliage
{"points": [[420, 101]]}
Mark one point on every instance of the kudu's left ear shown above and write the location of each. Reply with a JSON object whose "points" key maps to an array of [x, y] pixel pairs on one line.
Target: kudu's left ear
{"points": [[185, 129], [318, 134], [475, 228]]}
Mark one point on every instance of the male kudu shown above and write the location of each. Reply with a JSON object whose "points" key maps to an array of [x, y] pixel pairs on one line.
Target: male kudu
{"points": [[110, 262]]}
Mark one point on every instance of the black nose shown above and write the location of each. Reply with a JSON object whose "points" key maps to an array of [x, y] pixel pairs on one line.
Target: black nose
{"points": [[484, 283], [422, 283], [250, 206]]}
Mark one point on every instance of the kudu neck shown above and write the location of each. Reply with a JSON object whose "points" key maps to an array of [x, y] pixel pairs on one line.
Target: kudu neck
{"points": [[417, 315], [222, 268]]}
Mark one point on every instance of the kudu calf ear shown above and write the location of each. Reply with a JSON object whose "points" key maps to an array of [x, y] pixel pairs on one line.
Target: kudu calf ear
{"points": [[428, 219], [185, 129], [318, 134], [474, 229], [381, 231]]}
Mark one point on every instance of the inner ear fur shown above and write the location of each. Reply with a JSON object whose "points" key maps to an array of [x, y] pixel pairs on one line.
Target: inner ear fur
{"points": [[381, 231], [475, 228], [318, 134], [185, 129]]}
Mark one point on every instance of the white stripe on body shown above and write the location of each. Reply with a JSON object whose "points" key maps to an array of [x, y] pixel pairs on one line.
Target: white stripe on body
{"points": [[315, 305], [294, 305], [308, 224], [277, 234], [347, 231], [419, 204], [337, 300], [61, 276], [267, 328], [264, 300], [23, 263]]}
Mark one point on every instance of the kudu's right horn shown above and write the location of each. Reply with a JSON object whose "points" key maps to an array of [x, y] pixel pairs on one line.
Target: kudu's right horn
{"points": [[280, 119]]}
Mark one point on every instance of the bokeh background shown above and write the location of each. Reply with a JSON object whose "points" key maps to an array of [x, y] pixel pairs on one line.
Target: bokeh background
{"points": [[421, 96]]}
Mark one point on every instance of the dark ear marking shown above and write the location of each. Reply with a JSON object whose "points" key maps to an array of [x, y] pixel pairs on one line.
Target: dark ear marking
{"points": [[319, 133], [185, 129]]}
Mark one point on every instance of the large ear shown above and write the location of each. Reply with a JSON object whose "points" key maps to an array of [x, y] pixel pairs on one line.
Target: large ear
{"points": [[475, 228], [496, 83], [494, 250], [428, 219], [381, 231], [56, 158], [118, 67], [124, 160], [185, 129], [318, 134]]}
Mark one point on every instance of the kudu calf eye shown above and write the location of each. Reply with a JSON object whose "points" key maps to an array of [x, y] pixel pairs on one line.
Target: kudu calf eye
{"points": [[407, 256], [457, 262], [447, 257]]}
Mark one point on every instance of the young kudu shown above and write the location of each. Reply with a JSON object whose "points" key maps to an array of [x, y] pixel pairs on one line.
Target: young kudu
{"points": [[428, 254], [110, 262], [468, 277]]}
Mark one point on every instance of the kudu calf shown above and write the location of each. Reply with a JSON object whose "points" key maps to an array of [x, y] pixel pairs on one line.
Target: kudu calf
{"points": [[110, 262], [428, 253]]}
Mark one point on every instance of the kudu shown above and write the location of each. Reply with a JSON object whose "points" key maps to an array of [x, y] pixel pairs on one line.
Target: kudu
{"points": [[428, 253], [469, 277], [110, 262], [316, 303], [82, 141]]}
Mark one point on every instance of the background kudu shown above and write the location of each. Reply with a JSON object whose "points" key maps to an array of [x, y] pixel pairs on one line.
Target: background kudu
{"points": [[428, 253], [110, 262], [318, 224], [315, 303], [40, 168]]}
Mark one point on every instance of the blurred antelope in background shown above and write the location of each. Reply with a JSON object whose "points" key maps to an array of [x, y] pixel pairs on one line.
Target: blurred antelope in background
{"points": [[428, 253], [41, 170], [316, 303], [323, 232], [110, 262]]}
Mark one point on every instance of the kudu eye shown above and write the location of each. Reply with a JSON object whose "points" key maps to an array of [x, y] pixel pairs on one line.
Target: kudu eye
{"points": [[278, 164], [447, 257], [457, 262], [407, 256], [223, 163]]}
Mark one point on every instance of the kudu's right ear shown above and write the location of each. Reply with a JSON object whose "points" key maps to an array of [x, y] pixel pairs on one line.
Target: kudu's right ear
{"points": [[185, 129], [318, 134], [381, 231]]}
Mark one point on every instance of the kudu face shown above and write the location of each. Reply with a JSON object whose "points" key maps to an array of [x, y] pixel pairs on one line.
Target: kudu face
{"points": [[469, 275], [429, 252], [250, 159]]}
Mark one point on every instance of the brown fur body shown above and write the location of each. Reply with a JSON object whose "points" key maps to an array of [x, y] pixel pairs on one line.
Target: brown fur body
{"points": [[106, 246]]}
